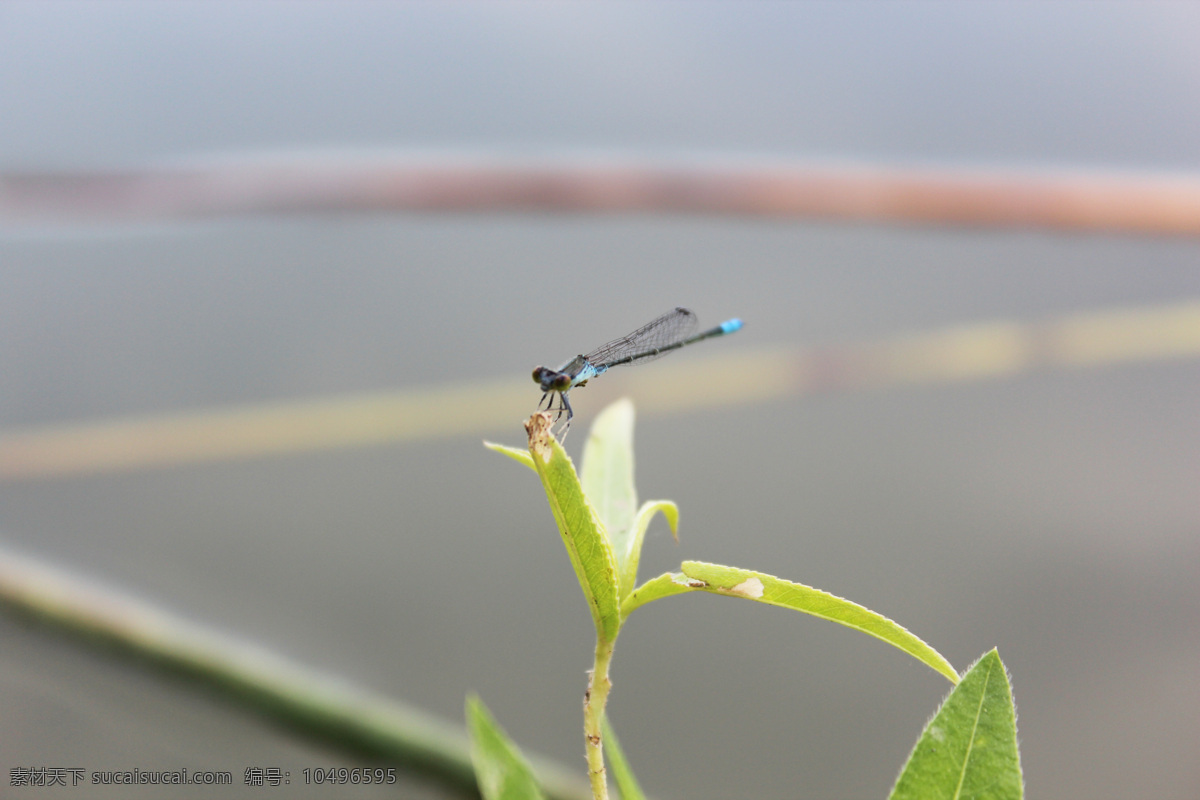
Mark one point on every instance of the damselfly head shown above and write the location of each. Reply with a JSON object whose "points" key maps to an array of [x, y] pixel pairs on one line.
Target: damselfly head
{"points": [[551, 380]]}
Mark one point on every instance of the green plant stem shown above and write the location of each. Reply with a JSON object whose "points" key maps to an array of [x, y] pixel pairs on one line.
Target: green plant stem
{"points": [[594, 701]]}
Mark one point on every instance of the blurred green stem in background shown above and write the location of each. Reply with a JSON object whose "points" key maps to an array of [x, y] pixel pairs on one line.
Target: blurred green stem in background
{"points": [[320, 707]]}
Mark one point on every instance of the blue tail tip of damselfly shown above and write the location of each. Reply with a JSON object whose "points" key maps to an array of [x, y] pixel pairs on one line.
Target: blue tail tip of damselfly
{"points": [[731, 325]]}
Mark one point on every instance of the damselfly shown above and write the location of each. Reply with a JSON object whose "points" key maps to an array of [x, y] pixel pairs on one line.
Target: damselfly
{"points": [[669, 332]]}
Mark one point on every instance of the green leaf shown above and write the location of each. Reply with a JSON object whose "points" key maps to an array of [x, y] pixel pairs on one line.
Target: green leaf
{"points": [[629, 552], [607, 474], [500, 769], [621, 771], [607, 479], [764, 588], [513, 453], [582, 532], [664, 585], [969, 748]]}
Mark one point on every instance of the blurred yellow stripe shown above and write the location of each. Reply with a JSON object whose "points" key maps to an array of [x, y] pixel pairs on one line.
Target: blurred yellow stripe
{"points": [[737, 376], [969, 352], [1127, 335], [264, 429]]}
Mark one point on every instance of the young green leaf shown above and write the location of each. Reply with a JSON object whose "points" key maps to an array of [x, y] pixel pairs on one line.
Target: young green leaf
{"points": [[607, 479], [500, 769], [582, 532], [621, 771], [607, 473], [764, 588], [628, 557], [969, 748]]}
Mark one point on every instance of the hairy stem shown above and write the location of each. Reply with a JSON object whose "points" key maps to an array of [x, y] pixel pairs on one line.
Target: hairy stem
{"points": [[593, 712]]}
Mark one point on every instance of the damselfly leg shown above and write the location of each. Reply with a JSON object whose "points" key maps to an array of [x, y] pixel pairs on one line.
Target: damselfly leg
{"points": [[564, 405]]}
